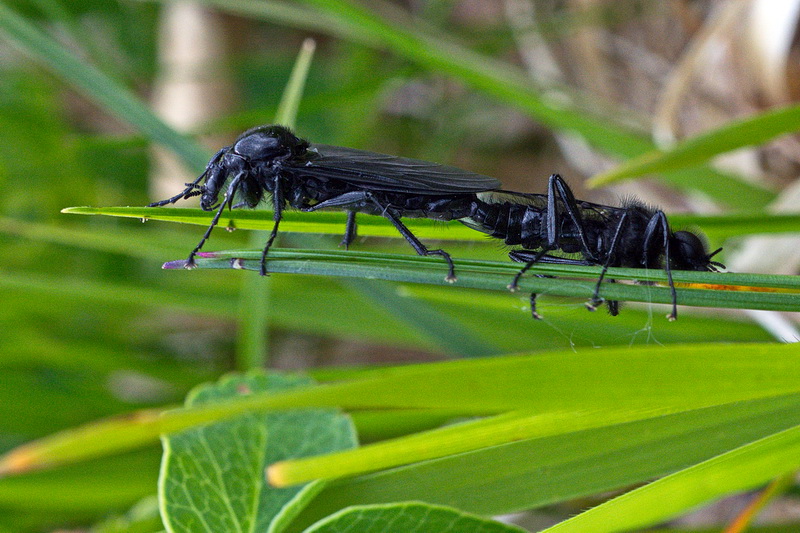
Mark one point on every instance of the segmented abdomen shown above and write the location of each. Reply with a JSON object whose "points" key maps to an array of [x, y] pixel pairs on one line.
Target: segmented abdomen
{"points": [[517, 219]]}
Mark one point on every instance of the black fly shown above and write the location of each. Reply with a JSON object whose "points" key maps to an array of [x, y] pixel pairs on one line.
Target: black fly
{"points": [[272, 160], [635, 235]]}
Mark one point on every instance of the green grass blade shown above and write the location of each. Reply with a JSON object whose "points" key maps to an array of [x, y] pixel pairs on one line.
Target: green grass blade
{"points": [[739, 224], [512, 86], [110, 94], [252, 344], [91, 291], [735, 291], [290, 99], [217, 299], [485, 275], [449, 440], [537, 472], [744, 468], [449, 334], [503, 82], [332, 223], [300, 17], [750, 131], [322, 222], [675, 378], [119, 240]]}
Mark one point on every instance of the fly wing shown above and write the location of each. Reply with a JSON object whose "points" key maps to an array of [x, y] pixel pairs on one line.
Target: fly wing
{"points": [[390, 173]]}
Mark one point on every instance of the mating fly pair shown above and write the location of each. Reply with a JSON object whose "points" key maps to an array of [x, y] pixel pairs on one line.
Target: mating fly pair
{"points": [[294, 173]]}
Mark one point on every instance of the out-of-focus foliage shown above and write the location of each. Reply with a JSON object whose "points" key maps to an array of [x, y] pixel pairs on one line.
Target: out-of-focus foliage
{"points": [[90, 326]]}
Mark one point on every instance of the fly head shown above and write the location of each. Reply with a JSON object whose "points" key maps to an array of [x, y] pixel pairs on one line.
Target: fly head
{"points": [[216, 175], [688, 252], [255, 157]]}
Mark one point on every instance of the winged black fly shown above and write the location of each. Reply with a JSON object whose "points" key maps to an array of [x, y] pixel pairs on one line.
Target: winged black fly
{"points": [[271, 160], [633, 235]]}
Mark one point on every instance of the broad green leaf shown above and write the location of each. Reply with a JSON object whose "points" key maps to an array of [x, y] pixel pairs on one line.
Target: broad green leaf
{"points": [[750, 131], [212, 477], [740, 469], [670, 378], [113, 96], [533, 473], [407, 517]]}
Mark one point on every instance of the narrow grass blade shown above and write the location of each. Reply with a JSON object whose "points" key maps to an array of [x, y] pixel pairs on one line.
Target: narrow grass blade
{"points": [[704, 289], [329, 222], [512, 86], [679, 377], [741, 469], [114, 97], [252, 345], [739, 224], [534, 473], [449, 440], [290, 99], [323, 222], [750, 131], [442, 330]]}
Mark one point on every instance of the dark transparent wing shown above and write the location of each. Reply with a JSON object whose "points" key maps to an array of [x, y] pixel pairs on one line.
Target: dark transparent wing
{"points": [[389, 173], [588, 210]]}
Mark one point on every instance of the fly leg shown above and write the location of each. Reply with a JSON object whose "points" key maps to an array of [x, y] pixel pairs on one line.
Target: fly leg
{"points": [[613, 305], [192, 189], [278, 202], [415, 243], [557, 185], [659, 220], [350, 230], [557, 189], [357, 199], [514, 285], [534, 314], [592, 304], [350, 199], [521, 256], [420, 248], [227, 201]]}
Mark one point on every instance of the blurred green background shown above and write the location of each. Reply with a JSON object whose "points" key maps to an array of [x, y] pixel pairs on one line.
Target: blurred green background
{"points": [[92, 326]]}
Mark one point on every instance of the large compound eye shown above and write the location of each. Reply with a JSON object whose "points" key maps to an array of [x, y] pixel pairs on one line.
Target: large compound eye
{"points": [[691, 252], [258, 145]]}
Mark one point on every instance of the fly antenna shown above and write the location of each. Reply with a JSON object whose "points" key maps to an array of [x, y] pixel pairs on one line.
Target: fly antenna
{"points": [[714, 265]]}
